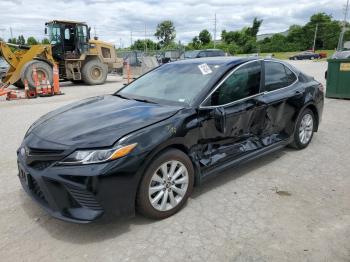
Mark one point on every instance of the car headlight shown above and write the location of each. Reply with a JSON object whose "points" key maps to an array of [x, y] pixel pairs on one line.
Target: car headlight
{"points": [[82, 157]]}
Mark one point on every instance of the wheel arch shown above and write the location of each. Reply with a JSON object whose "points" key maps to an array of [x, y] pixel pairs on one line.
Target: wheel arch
{"points": [[43, 60], [90, 58], [314, 110], [310, 105]]}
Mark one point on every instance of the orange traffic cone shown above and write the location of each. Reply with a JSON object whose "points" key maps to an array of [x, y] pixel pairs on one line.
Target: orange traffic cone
{"points": [[56, 81], [43, 87], [49, 88], [26, 88], [36, 81]]}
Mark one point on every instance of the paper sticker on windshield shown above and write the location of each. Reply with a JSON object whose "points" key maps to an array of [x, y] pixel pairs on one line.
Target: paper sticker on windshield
{"points": [[205, 69]]}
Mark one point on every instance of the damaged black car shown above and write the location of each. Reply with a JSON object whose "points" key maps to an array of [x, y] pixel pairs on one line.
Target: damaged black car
{"points": [[145, 147]]}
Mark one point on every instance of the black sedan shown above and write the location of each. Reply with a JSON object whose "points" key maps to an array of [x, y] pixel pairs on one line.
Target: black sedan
{"points": [[305, 55], [146, 146]]}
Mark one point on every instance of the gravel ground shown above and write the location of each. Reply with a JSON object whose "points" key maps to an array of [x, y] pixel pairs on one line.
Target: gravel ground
{"points": [[288, 206]]}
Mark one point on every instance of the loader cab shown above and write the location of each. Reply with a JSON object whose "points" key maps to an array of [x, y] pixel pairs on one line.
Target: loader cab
{"points": [[69, 40]]}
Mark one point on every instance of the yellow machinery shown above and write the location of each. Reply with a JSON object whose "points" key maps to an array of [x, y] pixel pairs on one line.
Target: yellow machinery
{"points": [[79, 58]]}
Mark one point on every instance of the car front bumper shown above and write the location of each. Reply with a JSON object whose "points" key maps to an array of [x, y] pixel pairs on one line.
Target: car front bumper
{"points": [[83, 193]]}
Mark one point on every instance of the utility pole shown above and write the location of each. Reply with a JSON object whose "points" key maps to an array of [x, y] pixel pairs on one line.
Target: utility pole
{"points": [[11, 32], [341, 37], [313, 47], [130, 38], [145, 43], [214, 30]]}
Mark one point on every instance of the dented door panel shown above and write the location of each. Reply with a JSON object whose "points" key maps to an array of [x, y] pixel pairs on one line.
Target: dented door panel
{"points": [[281, 108], [243, 120]]}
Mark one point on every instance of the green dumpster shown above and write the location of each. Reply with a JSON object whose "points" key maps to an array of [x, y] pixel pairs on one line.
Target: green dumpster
{"points": [[338, 78]]}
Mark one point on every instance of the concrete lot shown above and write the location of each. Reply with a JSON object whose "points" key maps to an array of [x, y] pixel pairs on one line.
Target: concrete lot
{"points": [[288, 206]]}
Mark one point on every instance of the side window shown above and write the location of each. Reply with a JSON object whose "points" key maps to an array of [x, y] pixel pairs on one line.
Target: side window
{"points": [[277, 76], [242, 83], [211, 54], [106, 53], [291, 77], [67, 34]]}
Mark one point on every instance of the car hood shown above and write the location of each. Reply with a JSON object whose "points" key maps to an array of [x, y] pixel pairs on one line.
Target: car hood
{"points": [[97, 122]]}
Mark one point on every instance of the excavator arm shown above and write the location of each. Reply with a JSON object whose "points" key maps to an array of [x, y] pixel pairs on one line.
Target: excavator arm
{"points": [[20, 57]]}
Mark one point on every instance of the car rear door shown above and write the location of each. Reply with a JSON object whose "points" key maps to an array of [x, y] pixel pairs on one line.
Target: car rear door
{"points": [[282, 97], [235, 97]]}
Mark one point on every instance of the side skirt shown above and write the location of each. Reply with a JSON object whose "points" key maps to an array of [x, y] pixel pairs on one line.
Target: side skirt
{"points": [[243, 159]]}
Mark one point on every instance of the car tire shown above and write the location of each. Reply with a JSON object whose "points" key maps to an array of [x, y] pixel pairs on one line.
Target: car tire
{"points": [[304, 129], [312, 58], [161, 194], [42, 68], [94, 72]]}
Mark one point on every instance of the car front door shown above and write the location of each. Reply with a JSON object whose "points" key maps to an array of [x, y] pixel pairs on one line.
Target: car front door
{"points": [[282, 96], [231, 117]]}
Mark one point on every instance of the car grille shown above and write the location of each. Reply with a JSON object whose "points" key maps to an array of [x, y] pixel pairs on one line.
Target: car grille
{"points": [[83, 197], [40, 159]]}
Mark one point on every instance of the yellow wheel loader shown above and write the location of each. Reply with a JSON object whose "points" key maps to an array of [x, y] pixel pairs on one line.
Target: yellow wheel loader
{"points": [[79, 58]]}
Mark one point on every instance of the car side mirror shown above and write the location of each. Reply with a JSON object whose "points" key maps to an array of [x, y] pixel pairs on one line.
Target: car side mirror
{"points": [[220, 119]]}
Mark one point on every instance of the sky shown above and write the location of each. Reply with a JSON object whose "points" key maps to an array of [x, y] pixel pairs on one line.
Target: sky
{"points": [[113, 21]]}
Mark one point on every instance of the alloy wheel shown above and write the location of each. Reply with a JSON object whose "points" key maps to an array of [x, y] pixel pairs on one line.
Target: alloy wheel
{"points": [[306, 128], [168, 185]]}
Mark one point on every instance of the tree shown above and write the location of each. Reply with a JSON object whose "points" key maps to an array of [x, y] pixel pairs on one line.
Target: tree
{"points": [[196, 43], [204, 37], [302, 37], [141, 44], [166, 33], [21, 40], [12, 40], [32, 41], [327, 33], [253, 31], [243, 41], [45, 41]]}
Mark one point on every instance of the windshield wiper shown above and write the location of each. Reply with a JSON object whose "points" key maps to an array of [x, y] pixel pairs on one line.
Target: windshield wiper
{"points": [[121, 96], [144, 100]]}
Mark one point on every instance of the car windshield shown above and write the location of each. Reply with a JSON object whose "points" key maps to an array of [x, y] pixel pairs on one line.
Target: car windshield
{"points": [[191, 54], [179, 83]]}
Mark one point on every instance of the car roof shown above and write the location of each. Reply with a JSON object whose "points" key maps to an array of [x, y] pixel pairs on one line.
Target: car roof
{"points": [[231, 61], [221, 60]]}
